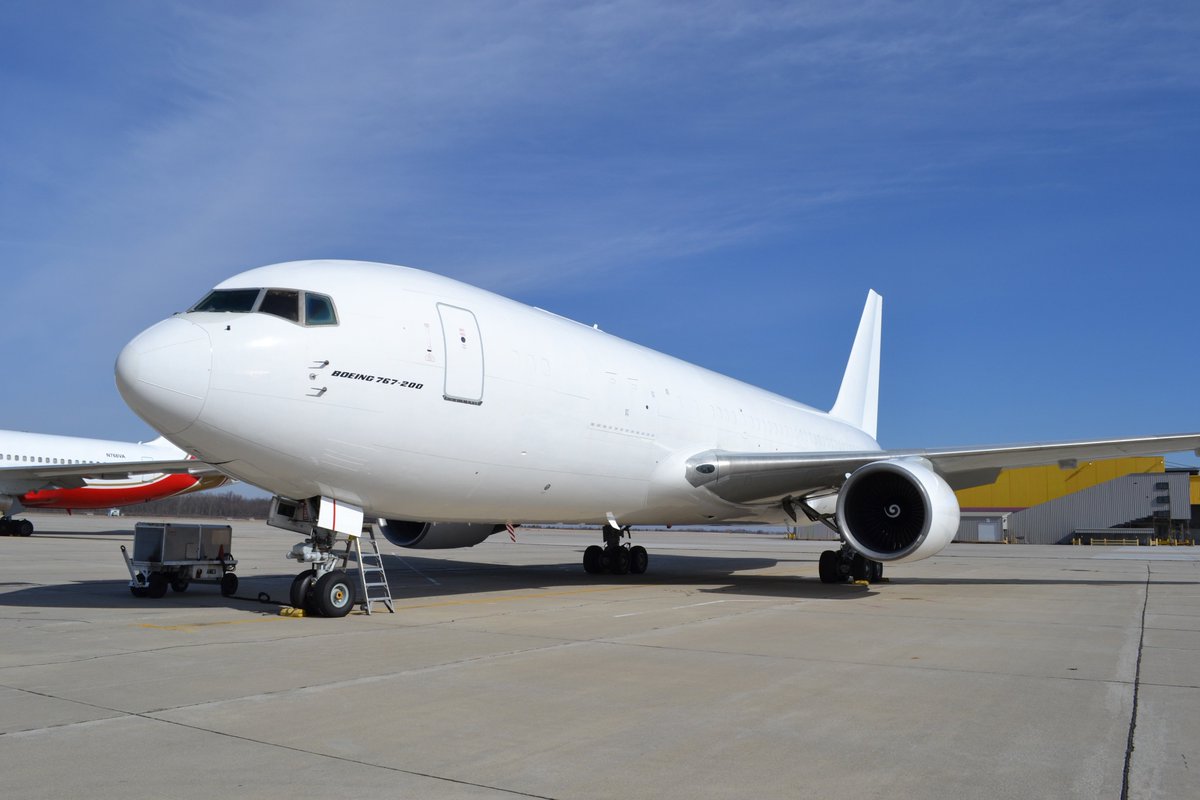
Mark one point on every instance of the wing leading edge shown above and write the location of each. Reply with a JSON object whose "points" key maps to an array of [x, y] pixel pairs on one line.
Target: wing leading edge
{"points": [[757, 478]]}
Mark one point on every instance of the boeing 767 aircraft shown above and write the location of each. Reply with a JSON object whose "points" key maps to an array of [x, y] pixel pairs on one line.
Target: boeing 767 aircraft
{"points": [[40, 470], [445, 411]]}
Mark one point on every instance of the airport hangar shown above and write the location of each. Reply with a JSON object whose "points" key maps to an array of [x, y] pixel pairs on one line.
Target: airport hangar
{"points": [[1115, 501]]}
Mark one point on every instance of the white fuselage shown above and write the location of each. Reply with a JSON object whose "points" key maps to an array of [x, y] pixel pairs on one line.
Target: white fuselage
{"points": [[22, 448], [437, 401]]}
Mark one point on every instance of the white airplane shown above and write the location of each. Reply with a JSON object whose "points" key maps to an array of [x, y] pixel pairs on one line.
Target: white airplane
{"points": [[39, 470], [445, 411]]}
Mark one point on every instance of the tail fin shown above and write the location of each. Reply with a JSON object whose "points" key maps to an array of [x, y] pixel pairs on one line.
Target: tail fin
{"points": [[858, 399]]}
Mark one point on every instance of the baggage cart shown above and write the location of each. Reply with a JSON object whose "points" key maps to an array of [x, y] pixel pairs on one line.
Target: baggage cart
{"points": [[175, 555]]}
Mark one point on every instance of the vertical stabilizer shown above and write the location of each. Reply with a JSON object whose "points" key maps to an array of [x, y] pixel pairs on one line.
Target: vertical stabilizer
{"points": [[858, 399]]}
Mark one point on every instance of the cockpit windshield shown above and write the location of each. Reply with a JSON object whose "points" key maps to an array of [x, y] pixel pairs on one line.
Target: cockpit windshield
{"points": [[238, 300], [286, 303], [282, 303]]}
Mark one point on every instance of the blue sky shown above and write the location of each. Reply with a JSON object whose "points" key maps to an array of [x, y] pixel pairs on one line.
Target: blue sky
{"points": [[722, 181]]}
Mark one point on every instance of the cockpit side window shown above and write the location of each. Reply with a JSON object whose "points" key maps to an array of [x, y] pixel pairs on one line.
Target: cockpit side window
{"points": [[282, 303], [235, 300], [318, 310]]}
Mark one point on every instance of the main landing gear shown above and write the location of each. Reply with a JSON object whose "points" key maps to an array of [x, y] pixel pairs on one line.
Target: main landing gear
{"points": [[15, 527], [615, 557], [839, 566]]}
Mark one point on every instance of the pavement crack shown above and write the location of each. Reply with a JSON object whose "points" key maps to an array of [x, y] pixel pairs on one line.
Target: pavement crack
{"points": [[1137, 677], [347, 760]]}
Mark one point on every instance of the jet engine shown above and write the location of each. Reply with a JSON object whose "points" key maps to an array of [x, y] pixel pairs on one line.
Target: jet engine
{"points": [[436, 535], [898, 510]]}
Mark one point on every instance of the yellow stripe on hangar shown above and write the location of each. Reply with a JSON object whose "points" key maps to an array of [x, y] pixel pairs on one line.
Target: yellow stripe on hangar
{"points": [[1031, 486]]}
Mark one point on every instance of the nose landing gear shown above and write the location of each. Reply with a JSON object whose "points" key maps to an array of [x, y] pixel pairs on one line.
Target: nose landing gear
{"points": [[324, 589]]}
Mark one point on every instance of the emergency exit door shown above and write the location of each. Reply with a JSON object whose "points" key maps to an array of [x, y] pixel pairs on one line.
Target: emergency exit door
{"points": [[464, 355]]}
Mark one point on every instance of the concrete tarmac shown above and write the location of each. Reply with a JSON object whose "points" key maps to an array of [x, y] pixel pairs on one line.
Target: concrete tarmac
{"points": [[727, 671]]}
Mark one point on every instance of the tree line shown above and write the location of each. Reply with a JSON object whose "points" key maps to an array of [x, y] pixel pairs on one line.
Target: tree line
{"points": [[203, 504]]}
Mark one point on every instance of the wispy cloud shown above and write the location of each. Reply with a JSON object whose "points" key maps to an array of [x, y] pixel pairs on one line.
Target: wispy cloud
{"points": [[524, 144], [546, 136]]}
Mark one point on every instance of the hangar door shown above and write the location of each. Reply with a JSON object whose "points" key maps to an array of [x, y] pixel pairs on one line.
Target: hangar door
{"points": [[464, 355]]}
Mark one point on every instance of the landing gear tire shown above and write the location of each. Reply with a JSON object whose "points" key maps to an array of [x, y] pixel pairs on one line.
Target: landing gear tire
{"points": [[229, 584], [860, 568], [593, 559], [827, 567], [15, 527], [139, 591], [333, 594], [157, 585], [865, 569], [618, 561], [302, 585], [639, 559], [179, 584]]}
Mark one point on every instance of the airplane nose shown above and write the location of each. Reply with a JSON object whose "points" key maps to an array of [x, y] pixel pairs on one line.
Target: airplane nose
{"points": [[163, 374]]}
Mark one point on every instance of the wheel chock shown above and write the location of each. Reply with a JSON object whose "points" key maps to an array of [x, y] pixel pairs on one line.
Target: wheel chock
{"points": [[288, 611]]}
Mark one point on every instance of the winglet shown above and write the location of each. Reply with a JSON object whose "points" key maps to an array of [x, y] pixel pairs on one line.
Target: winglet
{"points": [[858, 399]]}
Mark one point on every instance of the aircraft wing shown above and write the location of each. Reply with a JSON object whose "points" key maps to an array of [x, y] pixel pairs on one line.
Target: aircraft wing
{"points": [[71, 476], [754, 478]]}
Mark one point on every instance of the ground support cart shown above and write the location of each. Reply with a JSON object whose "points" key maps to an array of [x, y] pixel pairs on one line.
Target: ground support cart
{"points": [[171, 554]]}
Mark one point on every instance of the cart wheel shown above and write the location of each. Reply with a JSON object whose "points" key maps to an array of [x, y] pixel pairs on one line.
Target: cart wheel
{"points": [[179, 584], [139, 591], [229, 584], [302, 584], [333, 595], [157, 585]]}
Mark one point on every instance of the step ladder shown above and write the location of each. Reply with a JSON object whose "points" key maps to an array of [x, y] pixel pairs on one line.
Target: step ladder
{"points": [[371, 576]]}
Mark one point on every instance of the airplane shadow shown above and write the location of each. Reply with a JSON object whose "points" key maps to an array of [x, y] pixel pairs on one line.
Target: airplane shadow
{"points": [[716, 574], [416, 578], [116, 535]]}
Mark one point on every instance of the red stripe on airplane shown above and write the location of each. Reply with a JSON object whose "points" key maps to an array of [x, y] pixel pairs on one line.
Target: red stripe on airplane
{"points": [[90, 497]]}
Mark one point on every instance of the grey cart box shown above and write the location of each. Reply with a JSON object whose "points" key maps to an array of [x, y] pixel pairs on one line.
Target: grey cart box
{"points": [[175, 554]]}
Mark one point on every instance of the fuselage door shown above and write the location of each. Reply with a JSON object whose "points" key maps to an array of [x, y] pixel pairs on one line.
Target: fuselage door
{"points": [[464, 355]]}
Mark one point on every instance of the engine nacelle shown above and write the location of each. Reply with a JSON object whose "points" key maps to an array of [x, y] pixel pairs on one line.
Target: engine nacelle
{"points": [[898, 510], [435, 535]]}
